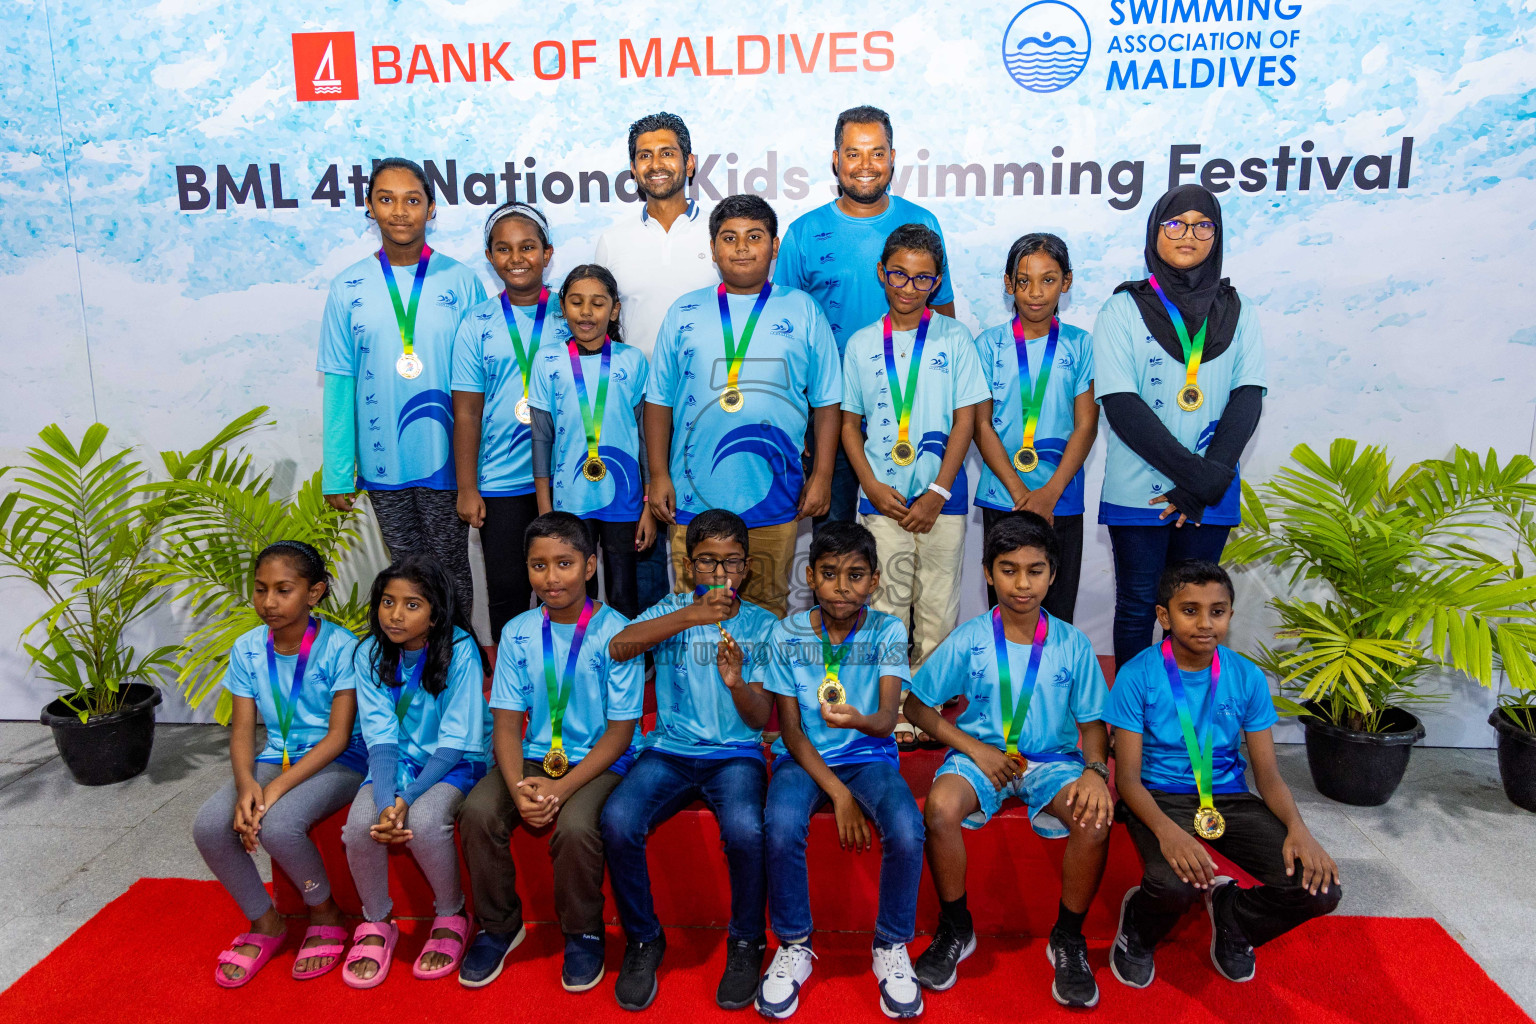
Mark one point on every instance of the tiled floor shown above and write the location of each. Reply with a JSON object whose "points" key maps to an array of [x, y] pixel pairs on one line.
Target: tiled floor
{"points": [[1448, 845]]}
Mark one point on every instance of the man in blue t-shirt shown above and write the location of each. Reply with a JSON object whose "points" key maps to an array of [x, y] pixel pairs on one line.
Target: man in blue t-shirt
{"points": [[831, 252]]}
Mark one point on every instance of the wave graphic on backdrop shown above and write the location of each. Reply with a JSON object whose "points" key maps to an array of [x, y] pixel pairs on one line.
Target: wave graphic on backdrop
{"points": [[1046, 46]]}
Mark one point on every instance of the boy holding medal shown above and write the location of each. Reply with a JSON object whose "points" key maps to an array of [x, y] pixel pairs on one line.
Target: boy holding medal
{"points": [[1033, 687], [564, 713], [837, 672], [1181, 710]]}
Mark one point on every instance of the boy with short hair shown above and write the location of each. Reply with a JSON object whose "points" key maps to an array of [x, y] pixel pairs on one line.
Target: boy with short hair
{"points": [[740, 371], [1034, 687], [1181, 710], [564, 715], [707, 745], [837, 672]]}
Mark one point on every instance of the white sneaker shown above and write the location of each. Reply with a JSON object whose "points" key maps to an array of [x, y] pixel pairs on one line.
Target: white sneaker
{"points": [[779, 994], [900, 994]]}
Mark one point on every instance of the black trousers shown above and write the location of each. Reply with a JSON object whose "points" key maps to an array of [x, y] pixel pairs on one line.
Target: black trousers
{"points": [[1253, 841], [1062, 599], [616, 541], [506, 558]]}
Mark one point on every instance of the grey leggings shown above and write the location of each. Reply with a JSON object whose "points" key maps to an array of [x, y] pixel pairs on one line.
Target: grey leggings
{"points": [[284, 834], [430, 820]]}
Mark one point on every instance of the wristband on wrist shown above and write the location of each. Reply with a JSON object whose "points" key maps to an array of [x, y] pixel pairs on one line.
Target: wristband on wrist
{"points": [[1099, 768], [941, 492]]}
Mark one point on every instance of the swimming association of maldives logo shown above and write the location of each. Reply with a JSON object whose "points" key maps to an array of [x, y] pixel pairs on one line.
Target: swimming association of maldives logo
{"points": [[1046, 46], [324, 66]]}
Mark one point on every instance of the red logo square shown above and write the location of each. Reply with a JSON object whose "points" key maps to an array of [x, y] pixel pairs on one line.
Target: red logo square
{"points": [[324, 66]]}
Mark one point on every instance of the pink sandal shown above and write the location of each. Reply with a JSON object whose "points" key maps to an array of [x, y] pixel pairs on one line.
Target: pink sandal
{"points": [[269, 945], [333, 949], [381, 955], [458, 924]]}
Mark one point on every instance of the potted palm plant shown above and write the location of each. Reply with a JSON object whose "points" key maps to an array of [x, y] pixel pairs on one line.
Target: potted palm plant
{"points": [[1390, 576]]}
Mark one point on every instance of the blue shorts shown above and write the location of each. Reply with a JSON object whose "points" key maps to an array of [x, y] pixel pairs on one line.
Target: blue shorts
{"points": [[1041, 782]]}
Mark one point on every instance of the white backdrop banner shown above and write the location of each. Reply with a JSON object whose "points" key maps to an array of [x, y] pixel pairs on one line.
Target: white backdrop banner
{"points": [[181, 180]]}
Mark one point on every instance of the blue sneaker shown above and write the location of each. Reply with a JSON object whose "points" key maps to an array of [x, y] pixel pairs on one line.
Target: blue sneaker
{"points": [[486, 956], [583, 962]]}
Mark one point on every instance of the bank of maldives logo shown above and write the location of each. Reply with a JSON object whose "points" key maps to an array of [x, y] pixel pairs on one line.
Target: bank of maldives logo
{"points": [[1046, 46], [324, 66]]}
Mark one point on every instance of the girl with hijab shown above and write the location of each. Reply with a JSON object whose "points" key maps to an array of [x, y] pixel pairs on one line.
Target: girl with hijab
{"points": [[1179, 371]]}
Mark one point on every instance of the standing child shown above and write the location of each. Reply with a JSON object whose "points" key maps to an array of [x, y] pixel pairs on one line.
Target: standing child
{"points": [[1033, 688], [492, 433], [1042, 420], [564, 714], [588, 440], [828, 664], [707, 745], [292, 670], [420, 691], [1181, 711]]}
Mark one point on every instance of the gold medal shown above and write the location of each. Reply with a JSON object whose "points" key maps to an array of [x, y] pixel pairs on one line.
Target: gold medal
{"points": [[523, 412], [593, 469], [831, 692], [409, 366], [1021, 761], [732, 400], [903, 454], [1026, 459], [1191, 397], [556, 763], [1209, 824]]}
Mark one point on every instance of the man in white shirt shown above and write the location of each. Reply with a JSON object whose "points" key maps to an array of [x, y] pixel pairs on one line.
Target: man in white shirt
{"points": [[662, 253]]}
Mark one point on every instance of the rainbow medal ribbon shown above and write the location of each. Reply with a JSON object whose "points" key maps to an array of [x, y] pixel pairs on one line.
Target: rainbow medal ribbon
{"points": [[525, 356], [902, 452], [701, 590], [285, 709], [1190, 395], [592, 414], [731, 399], [1014, 714], [1032, 391], [406, 693], [409, 365], [1209, 824], [559, 689], [832, 690]]}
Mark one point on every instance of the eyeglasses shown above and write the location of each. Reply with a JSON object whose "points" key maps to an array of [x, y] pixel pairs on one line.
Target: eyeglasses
{"points": [[1177, 229], [924, 283], [706, 565]]}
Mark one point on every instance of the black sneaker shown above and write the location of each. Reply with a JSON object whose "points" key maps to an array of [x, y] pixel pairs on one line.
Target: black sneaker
{"points": [[636, 987], [743, 966], [1130, 961], [1074, 984], [936, 968], [1230, 951], [486, 955]]}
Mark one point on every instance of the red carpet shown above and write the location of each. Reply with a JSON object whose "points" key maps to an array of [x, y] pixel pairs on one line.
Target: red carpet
{"points": [[149, 956]]}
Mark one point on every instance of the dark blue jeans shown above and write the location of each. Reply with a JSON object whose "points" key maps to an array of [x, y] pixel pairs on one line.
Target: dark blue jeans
{"points": [[885, 797], [651, 568], [657, 787], [1141, 554]]}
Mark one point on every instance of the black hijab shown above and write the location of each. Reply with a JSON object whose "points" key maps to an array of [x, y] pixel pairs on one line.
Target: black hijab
{"points": [[1199, 292]]}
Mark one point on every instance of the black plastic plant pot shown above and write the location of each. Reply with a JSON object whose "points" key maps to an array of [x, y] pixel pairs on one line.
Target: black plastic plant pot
{"points": [[1517, 760], [1361, 768], [106, 748]]}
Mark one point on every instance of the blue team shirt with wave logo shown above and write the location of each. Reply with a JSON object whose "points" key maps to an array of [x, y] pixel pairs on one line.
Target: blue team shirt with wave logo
{"points": [[327, 672]]}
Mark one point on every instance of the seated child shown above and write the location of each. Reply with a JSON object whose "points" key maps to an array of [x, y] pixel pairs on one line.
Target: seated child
{"points": [[1033, 687], [1181, 710]]}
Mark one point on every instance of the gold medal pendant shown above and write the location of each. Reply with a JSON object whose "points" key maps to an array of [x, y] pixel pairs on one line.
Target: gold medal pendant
{"points": [[556, 763], [409, 366], [1026, 459], [732, 400], [1020, 760], [1209, 824], [831, 692], [1191, 397], [523, 412], [593, 469], [903, 454]]}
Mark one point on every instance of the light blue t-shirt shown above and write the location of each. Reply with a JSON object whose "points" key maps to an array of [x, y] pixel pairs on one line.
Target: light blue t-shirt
{"points": [[695, 715], [1142, 701], [833, 256], [747, 462], [796, 669], [950, 379], [404, 427], [604, 690], [616, 497], [456, 717], [1071, 375], [327, 672], [485, 362], [1126, 358], [1069, 686]]}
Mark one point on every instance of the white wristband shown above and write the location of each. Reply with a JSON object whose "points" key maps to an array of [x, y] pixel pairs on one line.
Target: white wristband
{"points": [[941, 492]]}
